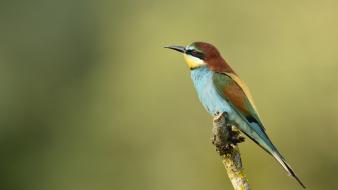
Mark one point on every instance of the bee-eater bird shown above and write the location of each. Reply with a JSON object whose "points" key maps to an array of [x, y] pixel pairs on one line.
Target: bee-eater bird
{"points": [[221, 90]]}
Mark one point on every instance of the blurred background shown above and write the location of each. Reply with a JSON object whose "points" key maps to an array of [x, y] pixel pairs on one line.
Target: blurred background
{"points": [[89, 99]]}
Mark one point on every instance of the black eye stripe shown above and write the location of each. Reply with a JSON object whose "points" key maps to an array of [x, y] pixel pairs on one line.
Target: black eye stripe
{"points": [[195, 53]]}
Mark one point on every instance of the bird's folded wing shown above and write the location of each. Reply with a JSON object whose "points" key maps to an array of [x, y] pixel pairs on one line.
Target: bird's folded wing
{"points": [[234, 90]]}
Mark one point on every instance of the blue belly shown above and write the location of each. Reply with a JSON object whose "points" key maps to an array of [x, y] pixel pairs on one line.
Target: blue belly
{"points": [[211, 100]]}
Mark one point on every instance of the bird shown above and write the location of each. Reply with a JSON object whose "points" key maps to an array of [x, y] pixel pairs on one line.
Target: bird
{"points": [[220, 90]]}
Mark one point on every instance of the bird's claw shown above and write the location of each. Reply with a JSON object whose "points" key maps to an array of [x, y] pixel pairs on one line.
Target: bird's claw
{"points": [[219, 116], [235, 136], [237, 139]]}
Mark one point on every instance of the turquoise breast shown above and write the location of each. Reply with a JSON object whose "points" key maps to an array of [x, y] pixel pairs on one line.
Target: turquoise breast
{"points": [[211, 100]]}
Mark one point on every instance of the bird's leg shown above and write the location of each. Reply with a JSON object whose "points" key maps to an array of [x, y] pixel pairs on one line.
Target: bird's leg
{"points": [[235, 135], [218, 115]]}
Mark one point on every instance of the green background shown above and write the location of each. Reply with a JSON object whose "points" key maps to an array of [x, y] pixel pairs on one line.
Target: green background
{"points": [[89, 99]]}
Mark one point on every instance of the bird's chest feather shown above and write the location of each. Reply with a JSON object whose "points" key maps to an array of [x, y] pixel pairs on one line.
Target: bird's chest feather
{"points": [[207, 93]]}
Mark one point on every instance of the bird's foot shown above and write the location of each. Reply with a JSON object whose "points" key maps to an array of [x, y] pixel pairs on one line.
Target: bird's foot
{"points": [[235, 136], [236, 139], [220, 117]]}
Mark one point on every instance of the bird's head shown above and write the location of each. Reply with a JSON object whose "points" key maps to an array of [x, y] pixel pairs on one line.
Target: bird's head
{"points": [[199, 54]]}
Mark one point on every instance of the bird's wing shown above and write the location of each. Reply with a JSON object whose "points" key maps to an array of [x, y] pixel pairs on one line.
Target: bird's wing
{"points": [[234, 90]]}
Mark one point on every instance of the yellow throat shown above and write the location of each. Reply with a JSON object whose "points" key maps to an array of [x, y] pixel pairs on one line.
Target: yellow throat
{"points": [[192, 61]]}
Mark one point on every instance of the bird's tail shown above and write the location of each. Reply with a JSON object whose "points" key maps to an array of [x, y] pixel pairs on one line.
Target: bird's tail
{"points": [[286, 166], [258, 135]]}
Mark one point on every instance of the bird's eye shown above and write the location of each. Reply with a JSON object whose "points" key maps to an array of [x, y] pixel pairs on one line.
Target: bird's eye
{"points": [[193, 52]]}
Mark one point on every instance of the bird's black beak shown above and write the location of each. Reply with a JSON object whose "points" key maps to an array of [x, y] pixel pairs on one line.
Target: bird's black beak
{"points": [[177, 48]]}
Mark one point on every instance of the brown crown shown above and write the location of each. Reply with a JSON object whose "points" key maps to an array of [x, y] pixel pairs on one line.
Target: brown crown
{"points": [[213, 58]]}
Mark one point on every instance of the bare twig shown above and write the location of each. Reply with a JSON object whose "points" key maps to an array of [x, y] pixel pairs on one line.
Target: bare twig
{"points": [[225, 138]]}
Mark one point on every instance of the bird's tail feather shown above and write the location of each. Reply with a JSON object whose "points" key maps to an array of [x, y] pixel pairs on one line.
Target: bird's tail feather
{"points": [[259, 136], [286, 166]]}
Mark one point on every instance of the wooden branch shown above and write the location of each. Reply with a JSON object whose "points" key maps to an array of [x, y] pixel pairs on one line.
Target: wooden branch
{"points": [[225, 138]]}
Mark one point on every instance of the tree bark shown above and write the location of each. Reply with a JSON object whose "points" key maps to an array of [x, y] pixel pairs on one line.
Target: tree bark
{"points": [[226, 138]]}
